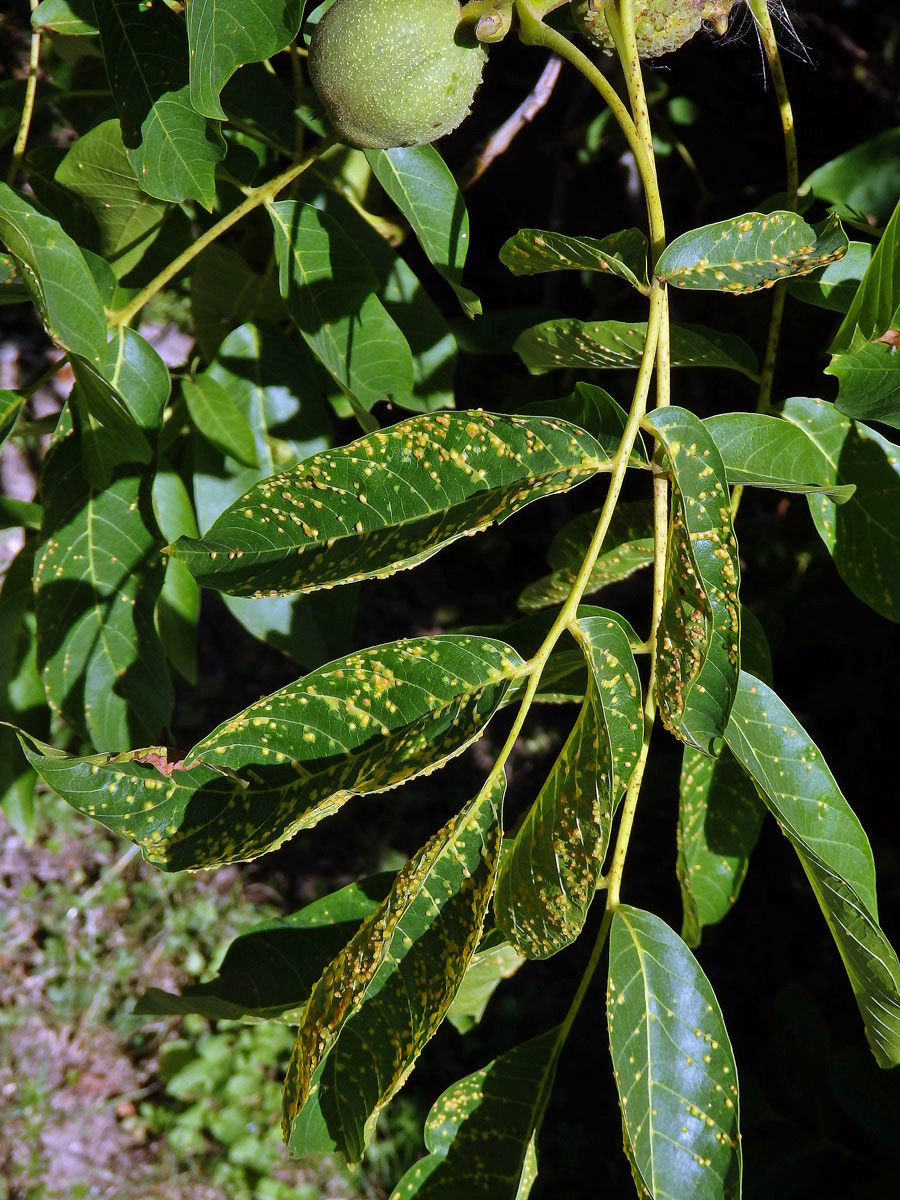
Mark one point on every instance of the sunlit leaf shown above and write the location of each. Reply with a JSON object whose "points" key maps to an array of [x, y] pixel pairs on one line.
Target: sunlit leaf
{"points": [[493, 961], [97, 168], [698, 644], [869, 379], [172, 147], [329, 290], [96, 582], [593, 409], [877, 301], [385, 995], [360, 725], [769, 452], [548, 879], [219, 419], [387, 501], [620, 344], [535, 251], [799, 789], [863, 535], [750, 252], [421, 185], [57, 275], [11, 405], [866, 178], [673, 1063], [60, 17], [225, 34], [481, 1131]]}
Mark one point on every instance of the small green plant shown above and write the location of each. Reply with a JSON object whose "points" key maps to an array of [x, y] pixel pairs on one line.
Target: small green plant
{"points": [[203, 160]]}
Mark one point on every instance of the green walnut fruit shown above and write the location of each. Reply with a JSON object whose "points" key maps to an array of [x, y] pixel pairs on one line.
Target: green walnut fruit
{"points": [[394, 72], [660, 26]]}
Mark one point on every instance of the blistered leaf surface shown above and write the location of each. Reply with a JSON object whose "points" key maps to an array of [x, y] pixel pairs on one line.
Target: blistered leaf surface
{"points": [[673, 1063], [387, 501]]}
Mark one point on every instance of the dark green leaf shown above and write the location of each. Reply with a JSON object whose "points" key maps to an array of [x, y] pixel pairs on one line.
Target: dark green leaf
{"points": [[481, 1132], [866, 178], [173, 149], [628, 548], [799, 789], [749, 252], [12, 287], [360, 725], [772, 453], [876, 305], [226, 292], [534, 251], [493, 961], [11, 405], [387, 501], [328, 287], [225, 34], [14, 513], [98, 169], [219, 419], [863, 535], [719, 821], [139, 375], [698, 644], [869, 379], [419, 182], [835, 286], [60, 16], [55, 271], [110, 436], [21, 692], [548, 879], [384, 996], [620, 344], [270, 969], [96, 582], [673, 1063], [593, 409]]}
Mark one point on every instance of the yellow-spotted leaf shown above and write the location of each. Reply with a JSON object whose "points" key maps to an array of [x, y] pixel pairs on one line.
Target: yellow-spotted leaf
{"points": [[387, 501], [548, 879], [698, 643], [362, 724], [751, 251], [800, 791], [481, 1132], [535, 251], [673, 1064], [384, 996]]}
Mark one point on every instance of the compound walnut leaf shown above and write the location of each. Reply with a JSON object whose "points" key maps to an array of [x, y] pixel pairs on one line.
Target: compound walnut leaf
{"points": [[698, 643], [481, 1132], [384, 996], [361, 724], [549, 877], [386, 501], [751, 251], [800, 791], [673, 1064]]}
